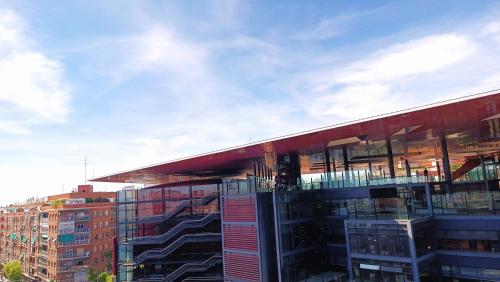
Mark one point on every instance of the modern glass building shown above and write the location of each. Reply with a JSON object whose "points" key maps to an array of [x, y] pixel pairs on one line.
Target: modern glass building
{"points": [[408, 196]]}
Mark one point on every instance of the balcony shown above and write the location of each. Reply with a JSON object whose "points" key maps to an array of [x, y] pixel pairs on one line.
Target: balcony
{"points": [[65, 268], [74, 256], [466, 203], [82, 218], [74, 243], [82, 230], [387, 209]]}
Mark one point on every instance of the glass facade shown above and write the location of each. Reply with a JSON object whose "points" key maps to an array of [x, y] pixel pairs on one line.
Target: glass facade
{"points": [[379, 239], [165, 230], [374, 271], [360, 198], [468, 240]]}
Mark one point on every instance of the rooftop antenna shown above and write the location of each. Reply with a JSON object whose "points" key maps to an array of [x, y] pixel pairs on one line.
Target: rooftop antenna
{"points": [[85, 162]]}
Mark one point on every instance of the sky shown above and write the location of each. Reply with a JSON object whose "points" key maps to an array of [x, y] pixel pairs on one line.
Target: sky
{"points": [[129, 84]]}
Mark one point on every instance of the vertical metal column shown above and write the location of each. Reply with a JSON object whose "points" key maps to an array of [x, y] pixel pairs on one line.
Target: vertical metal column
{"points": [[485, 176], [407, 167], [390, 157], [328, 168], [428, 198], [446, 159], [277, 235], [346, 164], [413, 252], [349, 261]]}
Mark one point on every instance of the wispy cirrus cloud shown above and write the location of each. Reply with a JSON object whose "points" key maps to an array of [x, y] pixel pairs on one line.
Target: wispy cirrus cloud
{"points": [[327, 28], [33, 87], [373, 84]]}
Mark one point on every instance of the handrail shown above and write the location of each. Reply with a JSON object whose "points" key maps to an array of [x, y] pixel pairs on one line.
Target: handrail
{"points": [[188, 238], [194, 266], [160, 239], [185, 204]]}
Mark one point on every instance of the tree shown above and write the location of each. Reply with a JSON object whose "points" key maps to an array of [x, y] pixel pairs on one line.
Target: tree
{"points": [[91, 275], [13, 270], [102, 277]]}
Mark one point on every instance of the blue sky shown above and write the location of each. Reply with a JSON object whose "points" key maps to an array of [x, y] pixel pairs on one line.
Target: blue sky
{"points": [[129, 84]]}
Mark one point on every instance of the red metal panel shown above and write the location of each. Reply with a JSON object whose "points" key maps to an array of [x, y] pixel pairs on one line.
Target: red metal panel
{"points": [[240, 237], [241, 267], [239, 209]]}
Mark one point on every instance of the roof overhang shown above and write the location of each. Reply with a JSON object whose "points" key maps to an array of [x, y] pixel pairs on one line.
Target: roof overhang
{"points": [[452, 116]]}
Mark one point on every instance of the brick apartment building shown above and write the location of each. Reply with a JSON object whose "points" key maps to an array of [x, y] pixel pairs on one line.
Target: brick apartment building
{"points": [[61, 237]]}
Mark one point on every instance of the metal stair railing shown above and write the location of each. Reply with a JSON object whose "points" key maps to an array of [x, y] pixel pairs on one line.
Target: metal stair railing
{"points": [[192, 223], [194, 267], [188, 238], [184, 204]]}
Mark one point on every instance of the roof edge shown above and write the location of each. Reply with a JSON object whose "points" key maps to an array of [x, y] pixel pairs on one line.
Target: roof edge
{"points": [[337, 125]]}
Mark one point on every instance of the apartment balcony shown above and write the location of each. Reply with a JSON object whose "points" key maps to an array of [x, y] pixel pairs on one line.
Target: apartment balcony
{"points": [[82, 218], [65, 268], [82, 230], [74, 243], [66, 231], [74, 256]]}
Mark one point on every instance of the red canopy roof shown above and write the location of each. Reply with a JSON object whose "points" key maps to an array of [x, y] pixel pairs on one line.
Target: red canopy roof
{"points": [[452, 116]]}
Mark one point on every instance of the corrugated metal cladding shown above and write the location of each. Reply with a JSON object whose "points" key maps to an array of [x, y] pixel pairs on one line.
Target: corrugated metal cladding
{"points": [[240, 209], [233, 238], [240, 239]]}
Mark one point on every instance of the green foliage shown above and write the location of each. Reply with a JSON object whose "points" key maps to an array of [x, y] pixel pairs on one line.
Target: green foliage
{"points": [[13, 270], [98, 277], [91, 275], [102, 277]]}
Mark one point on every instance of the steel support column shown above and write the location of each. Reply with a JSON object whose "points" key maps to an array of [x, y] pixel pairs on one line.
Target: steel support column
{"points": [[446, 159], [346, 164], [390, 157], [328, 167]]}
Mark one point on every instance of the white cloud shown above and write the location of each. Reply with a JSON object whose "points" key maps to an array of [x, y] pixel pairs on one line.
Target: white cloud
{"points": [[33, 88], [327, 28], [348, 102], [492, 28], [419, 56], [161, 47], [324, 29], [14, 128], [373, 85]]}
